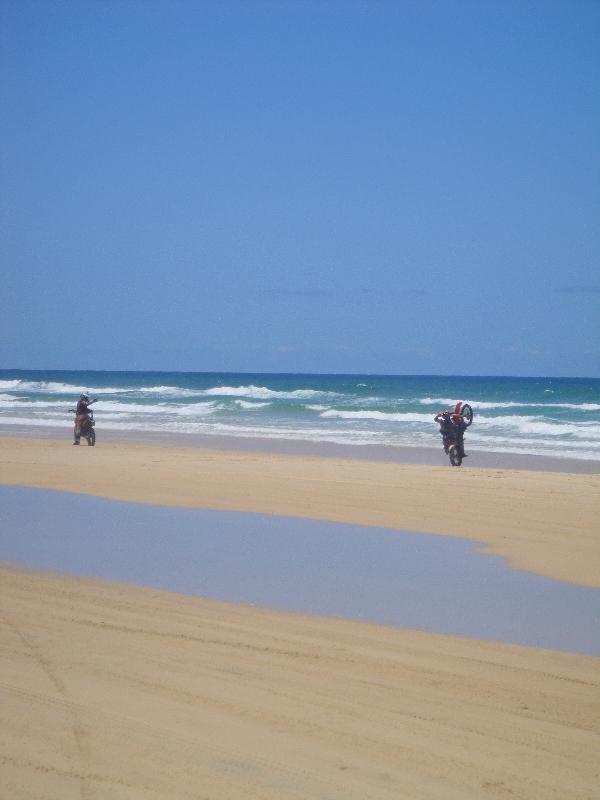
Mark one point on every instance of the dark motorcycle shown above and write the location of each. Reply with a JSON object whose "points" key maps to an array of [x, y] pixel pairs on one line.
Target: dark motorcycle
{"points": [[452, 427], [86, 429]]}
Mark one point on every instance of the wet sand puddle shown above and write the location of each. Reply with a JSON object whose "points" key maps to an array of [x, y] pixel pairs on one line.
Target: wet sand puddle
{"points": [[377, 575]]}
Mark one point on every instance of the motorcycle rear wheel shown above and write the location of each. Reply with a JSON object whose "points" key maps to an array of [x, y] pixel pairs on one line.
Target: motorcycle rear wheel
{"points": [[91, 437], [455, 455]]}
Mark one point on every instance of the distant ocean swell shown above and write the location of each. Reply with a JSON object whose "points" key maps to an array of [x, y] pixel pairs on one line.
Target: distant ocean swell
{"points": [[558, 417]]}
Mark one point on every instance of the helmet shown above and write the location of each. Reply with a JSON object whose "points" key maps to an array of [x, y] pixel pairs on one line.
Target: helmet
{"points": [[84, 397]]}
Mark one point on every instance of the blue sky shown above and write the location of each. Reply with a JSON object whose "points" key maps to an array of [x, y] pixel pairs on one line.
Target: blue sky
{"points": [[383, 187]]}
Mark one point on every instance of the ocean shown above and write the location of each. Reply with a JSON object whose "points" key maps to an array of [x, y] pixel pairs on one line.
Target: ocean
{"points": [[557, 417]]}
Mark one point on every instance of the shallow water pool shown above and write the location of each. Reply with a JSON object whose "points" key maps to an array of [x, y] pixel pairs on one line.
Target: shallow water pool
{"points": [[411, 580]]}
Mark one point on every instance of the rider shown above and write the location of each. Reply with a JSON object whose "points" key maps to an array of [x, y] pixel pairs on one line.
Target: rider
{"points": [[82, 413], [452, 427], [461, 426], [446, 428]]}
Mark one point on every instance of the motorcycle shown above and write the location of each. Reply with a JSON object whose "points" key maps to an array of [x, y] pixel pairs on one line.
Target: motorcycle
{"points": [[452, 427], [86, 428]]}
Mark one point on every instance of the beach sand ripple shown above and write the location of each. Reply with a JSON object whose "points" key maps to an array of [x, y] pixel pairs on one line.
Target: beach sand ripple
{"points": [[124, 692]]}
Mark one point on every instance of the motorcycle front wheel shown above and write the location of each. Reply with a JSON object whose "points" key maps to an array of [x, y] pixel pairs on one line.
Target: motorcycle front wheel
{"points": [[467, 414]]}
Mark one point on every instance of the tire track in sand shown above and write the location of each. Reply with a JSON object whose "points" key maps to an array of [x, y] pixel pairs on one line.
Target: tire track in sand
{"points": [[79, 732]]}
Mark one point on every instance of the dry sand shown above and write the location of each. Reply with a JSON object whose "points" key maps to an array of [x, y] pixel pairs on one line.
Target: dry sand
{"points": [[114, 691], [120, 692]]}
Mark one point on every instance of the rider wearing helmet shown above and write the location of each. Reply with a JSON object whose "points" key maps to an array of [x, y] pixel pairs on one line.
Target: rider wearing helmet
{"points": [[82, 413]]}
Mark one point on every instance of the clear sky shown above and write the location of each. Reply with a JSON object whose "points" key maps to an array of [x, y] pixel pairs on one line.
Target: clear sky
{"points": [[379, 187]]}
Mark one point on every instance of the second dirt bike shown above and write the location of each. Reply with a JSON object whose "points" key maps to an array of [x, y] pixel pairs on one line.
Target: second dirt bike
{"points": [[86, 429]]}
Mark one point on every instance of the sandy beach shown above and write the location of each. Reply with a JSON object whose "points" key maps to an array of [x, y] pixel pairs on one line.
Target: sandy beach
{"points": [[293, 261], [124, 692], [543, 522], [111, 690]]}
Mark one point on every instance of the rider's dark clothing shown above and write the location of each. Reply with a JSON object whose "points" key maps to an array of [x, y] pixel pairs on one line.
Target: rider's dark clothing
{"points": [[82, 407], [461, 426], [81, 415], [446, 429], [451, 429]]}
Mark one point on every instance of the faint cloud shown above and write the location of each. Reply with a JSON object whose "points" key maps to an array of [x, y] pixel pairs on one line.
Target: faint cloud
{"points": [[420, 351], [321, 294], [286, 348], [308, 293], [578, 289], [395, 289]]}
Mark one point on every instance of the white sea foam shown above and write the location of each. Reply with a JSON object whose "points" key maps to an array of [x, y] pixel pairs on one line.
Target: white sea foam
{"points": [[437, 401], [60, 408], [577, 406], [539, 426], [6, 401], [478, 405], [49, 387], [162, 389], [164, 409], [250, 405], [263, 393], [587, 450], [377, 415], [37, 422], [55, 387]]}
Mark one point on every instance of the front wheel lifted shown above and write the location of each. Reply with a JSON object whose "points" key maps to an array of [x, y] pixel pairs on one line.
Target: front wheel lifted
{"points": [[467, 414], [455, 455]]}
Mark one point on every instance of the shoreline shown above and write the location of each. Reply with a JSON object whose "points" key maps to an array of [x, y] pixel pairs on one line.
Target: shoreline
{"points": [[540, 522], [393, 454]]}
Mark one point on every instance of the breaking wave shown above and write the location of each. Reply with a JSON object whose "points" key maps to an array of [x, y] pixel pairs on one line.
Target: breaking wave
{"points": [[511, 415]]}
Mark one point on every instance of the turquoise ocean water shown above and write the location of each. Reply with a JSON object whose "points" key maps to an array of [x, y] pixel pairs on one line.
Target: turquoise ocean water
{"points": [[539, 416]]}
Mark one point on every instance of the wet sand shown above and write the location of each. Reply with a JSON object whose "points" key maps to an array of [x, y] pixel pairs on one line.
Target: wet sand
{"points": [[432, 456], [113, 690], [542, 522]]}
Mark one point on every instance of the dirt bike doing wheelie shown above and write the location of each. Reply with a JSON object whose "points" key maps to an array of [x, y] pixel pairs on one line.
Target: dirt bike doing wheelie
{"points": [[452, 427], [86, 428]]}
